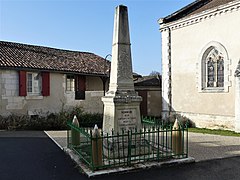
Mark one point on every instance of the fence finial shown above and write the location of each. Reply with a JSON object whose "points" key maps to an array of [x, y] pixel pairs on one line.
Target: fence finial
{"points": [[177, 141], [95, 127], [75, 133], [75, 121], [176, 124], [96, 147]]}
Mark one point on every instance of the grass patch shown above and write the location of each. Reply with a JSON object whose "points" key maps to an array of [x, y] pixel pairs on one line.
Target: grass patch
{"points": [[214, 131]]}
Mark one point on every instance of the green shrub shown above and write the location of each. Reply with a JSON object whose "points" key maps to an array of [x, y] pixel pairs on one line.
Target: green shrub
{"points": [[89, 120], [50, 121], [184, 121]]}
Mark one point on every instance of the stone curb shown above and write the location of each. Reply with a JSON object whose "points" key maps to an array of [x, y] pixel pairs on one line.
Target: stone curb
{"points": [[135, 167], [62, 148]]}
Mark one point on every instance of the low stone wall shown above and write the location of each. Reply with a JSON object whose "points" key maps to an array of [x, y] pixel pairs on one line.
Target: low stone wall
{"points": [[211, 121]]}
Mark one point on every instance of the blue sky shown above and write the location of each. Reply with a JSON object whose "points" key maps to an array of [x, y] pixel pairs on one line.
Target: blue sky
{"points": [[87, 25]]}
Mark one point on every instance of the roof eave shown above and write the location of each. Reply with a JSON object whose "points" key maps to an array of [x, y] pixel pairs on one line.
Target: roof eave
{"points": [[52, 70], [182, 12]]}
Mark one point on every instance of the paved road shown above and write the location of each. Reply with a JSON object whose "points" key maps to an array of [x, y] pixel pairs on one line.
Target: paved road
{"points": [[224, 169], [32, 155], [208, 146]]}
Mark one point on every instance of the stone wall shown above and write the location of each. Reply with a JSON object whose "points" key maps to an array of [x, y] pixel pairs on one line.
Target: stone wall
{"points": [[166, 72], [154, 103], [210, 121], [237, 105], [152, 100], [188, 38], [11, 102]]}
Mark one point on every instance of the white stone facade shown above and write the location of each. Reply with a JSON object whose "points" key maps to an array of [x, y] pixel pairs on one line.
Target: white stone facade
{"points": [[9, 94], [237, 105], [182, 70], [11, 102], [166, 72]]}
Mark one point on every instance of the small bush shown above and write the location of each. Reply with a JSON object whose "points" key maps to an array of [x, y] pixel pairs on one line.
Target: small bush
{"points": [[184, 121], [89, 120], [50, 121]]}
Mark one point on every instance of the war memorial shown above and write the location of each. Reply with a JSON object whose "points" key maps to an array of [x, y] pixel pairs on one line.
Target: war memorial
{"points": [[126, 140]]}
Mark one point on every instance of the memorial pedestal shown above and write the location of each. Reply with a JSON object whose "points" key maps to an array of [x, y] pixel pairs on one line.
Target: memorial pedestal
{"points": [[125, 146], [121, 113]]}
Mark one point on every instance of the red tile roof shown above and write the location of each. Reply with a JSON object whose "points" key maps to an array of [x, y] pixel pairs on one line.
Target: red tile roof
{"points": [[196, 7], [23, 56], [148, 81]]}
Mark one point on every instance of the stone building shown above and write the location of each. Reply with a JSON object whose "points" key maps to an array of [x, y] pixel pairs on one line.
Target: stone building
{"points": [[200, 54], [149, 88], [36, 79]]}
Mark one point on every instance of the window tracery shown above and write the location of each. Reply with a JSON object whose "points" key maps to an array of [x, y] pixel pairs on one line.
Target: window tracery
{"points": [[214, 71]]}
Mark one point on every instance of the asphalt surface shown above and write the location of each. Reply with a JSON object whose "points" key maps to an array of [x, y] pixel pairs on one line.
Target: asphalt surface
{"points": [[224, 169], [32, 155]]}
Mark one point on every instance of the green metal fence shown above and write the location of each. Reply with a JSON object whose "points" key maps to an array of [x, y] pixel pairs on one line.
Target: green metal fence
{"points": [[106, 150]]}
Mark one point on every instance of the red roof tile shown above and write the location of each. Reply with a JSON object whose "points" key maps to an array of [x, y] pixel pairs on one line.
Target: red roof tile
{"points": [[23, 56], [148, 81]]}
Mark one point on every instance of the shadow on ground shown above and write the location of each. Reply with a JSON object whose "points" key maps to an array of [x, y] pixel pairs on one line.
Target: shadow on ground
{"points": [[32, 155]]}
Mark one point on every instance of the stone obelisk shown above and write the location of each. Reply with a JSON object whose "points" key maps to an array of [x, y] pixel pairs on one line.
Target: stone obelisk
{"points": [[121, 103]]}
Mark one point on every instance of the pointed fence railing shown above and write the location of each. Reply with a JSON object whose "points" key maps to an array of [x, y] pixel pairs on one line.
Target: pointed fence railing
{"points": [[156, 141]]}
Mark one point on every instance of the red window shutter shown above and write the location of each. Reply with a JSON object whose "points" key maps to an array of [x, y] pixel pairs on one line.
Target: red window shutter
{"points": [[80, 87], [45, 83], [82, 83], [22, 83]]}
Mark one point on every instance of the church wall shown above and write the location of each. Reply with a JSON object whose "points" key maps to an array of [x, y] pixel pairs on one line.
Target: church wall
{"points": [[237, 105], [166, 64], [186, 44]]}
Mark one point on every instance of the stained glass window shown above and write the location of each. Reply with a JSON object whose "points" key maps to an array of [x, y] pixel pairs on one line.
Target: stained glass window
{"points": [[220, 72], [214, 69], [210, 73]]}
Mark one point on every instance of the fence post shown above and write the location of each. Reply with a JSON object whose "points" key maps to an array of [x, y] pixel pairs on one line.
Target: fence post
{"points": [[177, 140], [75, 134], [129, 140], [96, 147]]}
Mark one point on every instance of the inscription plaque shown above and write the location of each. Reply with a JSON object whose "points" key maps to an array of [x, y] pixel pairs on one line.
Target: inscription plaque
{"points": [[127, 119]]}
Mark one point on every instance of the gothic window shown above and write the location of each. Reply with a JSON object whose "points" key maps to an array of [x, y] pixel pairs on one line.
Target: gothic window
{"points": [[213, 73], [214, 69]]}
